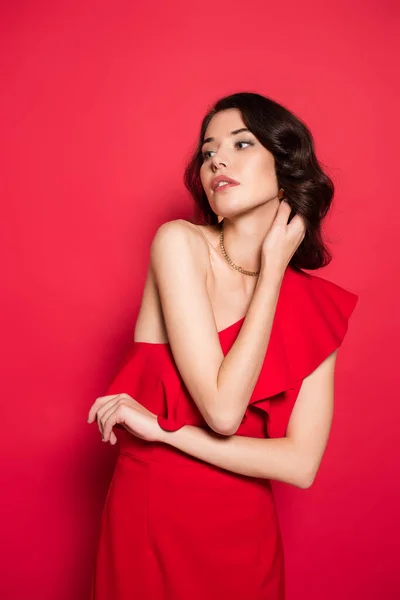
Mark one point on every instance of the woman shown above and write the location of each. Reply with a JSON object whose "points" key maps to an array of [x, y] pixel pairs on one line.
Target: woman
{"points": [[229, 382]]}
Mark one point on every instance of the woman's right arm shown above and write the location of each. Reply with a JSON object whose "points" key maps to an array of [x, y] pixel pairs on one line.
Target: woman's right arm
{"points": [[220, 386]]}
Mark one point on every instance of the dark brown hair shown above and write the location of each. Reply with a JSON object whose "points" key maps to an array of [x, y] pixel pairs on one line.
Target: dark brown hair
{"points": [[308, 189]]}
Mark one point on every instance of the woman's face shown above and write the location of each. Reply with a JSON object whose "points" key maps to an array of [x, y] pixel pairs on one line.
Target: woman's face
{"points": [[243, 158]]}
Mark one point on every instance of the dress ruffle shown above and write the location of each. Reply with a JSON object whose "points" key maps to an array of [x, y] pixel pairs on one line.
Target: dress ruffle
{"points": [[310, 322]]}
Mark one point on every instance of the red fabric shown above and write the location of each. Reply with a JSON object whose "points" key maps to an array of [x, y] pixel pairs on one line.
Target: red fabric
{"points": [[174, 527]]}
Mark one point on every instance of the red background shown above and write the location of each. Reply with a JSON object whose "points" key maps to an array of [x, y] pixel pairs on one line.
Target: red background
{"points": [[101, 104]]}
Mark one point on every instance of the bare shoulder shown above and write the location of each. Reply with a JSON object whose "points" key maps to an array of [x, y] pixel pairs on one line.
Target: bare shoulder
{"points": [[180, 229], [176, 237], [177, 248]]}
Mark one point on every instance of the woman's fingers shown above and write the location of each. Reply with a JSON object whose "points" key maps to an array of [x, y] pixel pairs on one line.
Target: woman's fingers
{"points": [[96, 405], [115, 415], [283, 213], [110, 409], [105, 408], [104, 404]]}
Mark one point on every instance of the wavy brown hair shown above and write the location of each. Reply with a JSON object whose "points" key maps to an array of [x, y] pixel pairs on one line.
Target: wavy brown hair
{"points": [[308, 190]]}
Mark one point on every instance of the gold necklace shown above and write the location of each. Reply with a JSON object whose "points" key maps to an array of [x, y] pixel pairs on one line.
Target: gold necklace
{"points": [[237, 267]]}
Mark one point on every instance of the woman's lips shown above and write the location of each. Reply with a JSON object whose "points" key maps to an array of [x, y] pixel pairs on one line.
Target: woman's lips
{"points": [[221, 188]]}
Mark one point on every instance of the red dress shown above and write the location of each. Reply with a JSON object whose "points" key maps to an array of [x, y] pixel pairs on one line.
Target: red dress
{"points": [[176, 528]]}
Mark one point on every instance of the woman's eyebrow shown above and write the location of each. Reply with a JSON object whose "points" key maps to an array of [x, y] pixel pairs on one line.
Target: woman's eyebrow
{"points": [[235, 132]]}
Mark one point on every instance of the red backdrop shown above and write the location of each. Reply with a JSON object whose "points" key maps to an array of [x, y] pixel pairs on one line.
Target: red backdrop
{"points": [[101, 104]]}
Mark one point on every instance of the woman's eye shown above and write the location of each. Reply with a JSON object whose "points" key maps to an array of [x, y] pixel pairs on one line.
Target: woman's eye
{"points": [[244, 142], [206, 152]]}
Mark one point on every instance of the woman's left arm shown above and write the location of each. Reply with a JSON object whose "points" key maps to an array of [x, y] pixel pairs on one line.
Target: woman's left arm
{"points": [[294, 459]]}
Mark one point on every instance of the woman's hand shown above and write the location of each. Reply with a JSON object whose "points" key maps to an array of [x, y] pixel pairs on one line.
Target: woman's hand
{"points": [[282, 239], [123, 410]]}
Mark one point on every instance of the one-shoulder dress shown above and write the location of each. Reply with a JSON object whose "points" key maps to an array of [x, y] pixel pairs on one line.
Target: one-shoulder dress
{"points": [[176, 528]]}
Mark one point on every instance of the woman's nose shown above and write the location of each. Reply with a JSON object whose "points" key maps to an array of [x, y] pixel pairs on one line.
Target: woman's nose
{"points": [[218, 160]]}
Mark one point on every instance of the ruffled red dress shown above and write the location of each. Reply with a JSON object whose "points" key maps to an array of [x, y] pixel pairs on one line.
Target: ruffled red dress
{"points": [[176, 528]]}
